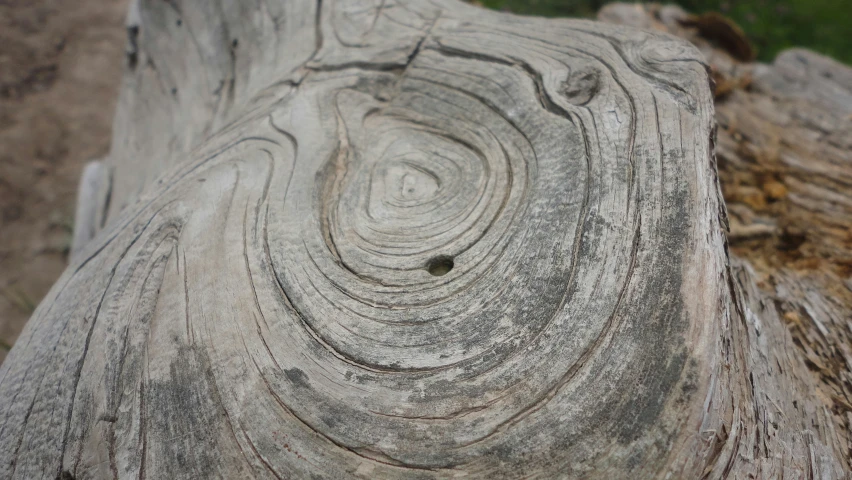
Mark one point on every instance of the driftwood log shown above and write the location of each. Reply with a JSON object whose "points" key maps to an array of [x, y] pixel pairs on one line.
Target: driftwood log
{"points": [[380, 239]]}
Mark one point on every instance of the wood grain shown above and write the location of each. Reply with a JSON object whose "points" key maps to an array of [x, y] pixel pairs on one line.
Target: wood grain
{"points": [[382, 239], [785, 167]]}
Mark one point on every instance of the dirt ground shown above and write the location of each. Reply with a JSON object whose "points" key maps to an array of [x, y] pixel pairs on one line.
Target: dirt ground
{"points": [[60, 69]]}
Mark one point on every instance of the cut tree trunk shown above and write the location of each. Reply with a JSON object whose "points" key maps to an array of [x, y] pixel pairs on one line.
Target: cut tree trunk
{"points": [[380, 239]]}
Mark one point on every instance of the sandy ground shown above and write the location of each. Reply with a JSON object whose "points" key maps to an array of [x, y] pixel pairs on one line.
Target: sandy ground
{"points": [[60, 69]]}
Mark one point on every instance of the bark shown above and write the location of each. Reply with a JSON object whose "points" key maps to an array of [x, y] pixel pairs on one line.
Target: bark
{"points": [[381, 239]]}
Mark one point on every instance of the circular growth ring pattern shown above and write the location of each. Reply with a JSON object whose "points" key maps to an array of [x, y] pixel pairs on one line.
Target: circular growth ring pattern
{"points": [[470, 258]]}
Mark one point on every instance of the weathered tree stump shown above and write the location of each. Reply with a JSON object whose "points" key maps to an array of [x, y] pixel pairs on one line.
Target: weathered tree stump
{"points": [[406, 239]]}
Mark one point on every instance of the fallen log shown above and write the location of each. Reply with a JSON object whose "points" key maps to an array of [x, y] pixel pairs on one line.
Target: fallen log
{"points": [[408, 239]]}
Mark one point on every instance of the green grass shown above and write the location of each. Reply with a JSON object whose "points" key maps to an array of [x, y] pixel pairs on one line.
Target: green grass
{"points": [[772, 25]]}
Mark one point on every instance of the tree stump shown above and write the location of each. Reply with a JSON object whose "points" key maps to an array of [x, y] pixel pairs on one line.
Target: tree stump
{"points": [[390, 238]]}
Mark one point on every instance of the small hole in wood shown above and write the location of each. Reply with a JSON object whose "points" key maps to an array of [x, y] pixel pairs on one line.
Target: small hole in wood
{"points": [[440, 266]]}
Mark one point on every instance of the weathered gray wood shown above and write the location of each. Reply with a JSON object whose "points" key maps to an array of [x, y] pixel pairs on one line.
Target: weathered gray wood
{"points": [[784, 147], [92, 203], [414, 239]]}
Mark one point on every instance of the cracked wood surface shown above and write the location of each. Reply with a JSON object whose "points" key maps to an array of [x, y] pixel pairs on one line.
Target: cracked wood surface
{"points": [[382, 239], [785, 165]]}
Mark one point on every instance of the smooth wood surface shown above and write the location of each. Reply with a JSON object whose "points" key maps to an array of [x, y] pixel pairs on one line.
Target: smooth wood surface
{"points": [[404, 239]]}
